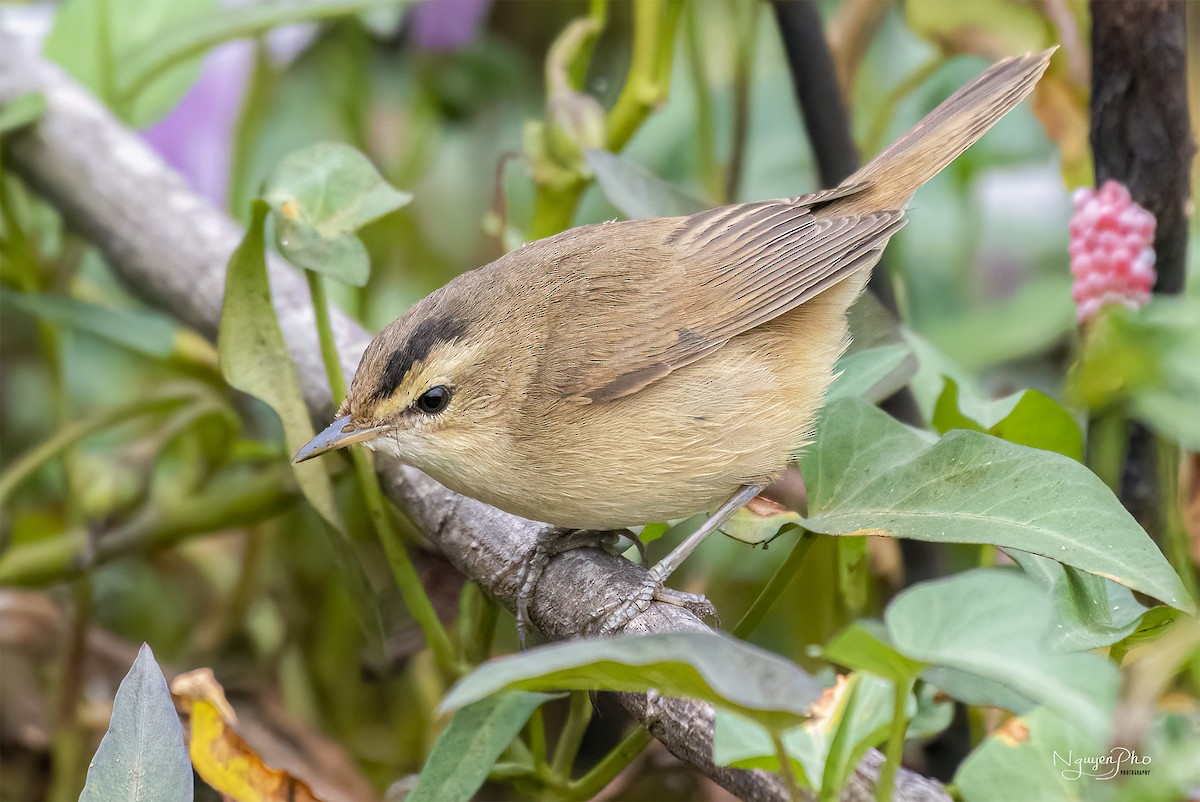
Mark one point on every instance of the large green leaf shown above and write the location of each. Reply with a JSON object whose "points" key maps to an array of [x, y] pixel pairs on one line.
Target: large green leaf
{"points": [[635, 191], [321, 195], [254, 359], [142, 757], [870, 475], [997, 624], [464, 754], [709, 666], [90, 38]]}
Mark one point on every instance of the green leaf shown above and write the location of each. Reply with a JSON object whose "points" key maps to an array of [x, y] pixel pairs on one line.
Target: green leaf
{"points": [[852, 716], [1091, 611], [180, 44], [997, 624], [742, 743], [635, 191], [1147, 360], [25, 110], [1151, 627], [1003, 26], [977, 691], [864, 722], [864, 646], [870, 475], [708, 666], [321, 195], [91, 37], [873, 374], [142, 332], [254, 358], [465, 753], [1031, 757], [1027, 418], [142, 757], [935, 712], [758, 526]]}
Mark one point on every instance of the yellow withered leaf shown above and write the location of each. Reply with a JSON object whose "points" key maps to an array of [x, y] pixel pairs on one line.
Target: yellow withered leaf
{"points": [[220, 755]]}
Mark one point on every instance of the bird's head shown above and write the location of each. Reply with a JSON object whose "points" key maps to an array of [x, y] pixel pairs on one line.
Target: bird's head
{"points": [[425, 390]]}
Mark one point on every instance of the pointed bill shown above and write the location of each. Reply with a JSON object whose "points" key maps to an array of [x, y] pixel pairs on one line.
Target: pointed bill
{"points": [[339, 434]]}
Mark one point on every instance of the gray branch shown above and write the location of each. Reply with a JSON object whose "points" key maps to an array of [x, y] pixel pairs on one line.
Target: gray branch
{"points": [[171, 247]]}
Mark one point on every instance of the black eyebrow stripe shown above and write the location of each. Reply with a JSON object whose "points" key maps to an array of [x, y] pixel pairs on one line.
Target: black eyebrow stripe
{"points": [[421, 340]]}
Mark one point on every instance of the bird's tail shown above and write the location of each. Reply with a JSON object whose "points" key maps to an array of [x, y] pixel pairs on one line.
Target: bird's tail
{"points": [[958, 122]]}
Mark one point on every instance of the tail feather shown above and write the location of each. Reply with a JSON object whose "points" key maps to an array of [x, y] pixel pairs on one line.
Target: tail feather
{"points": [[958, 122]]}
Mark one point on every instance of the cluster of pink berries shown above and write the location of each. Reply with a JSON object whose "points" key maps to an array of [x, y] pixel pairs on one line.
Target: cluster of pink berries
{"points": [[1112, 250]]}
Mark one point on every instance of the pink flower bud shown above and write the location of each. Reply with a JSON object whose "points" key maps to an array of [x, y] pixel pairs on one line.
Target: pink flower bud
{"points": [[1111, 250]]}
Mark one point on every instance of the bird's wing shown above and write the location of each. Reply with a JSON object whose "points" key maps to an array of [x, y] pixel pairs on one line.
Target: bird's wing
{"points": [[659, 294]]}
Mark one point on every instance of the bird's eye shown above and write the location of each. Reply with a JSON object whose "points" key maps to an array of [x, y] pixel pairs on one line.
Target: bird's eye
{"points": [[434, 400]]}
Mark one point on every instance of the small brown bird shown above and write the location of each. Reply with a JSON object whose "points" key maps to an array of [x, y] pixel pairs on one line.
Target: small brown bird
{"points": [[647, 370]]}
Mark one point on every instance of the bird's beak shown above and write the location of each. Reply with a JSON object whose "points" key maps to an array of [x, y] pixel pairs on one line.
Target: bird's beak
{"points": [[339, 434]]}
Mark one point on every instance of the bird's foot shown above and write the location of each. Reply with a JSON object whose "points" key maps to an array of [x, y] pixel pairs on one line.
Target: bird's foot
{"points": [[551, 542], [616, 617]]}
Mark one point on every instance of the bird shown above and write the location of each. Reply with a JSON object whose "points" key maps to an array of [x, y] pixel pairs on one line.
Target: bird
{"points": [[638, 371]]}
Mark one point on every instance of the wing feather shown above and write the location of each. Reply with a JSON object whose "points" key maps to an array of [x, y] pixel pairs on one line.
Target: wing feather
{"points": [[708, 278]]}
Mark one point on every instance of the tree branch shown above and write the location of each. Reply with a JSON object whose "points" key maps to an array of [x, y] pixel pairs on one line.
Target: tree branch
{"points": [[172, 247]]}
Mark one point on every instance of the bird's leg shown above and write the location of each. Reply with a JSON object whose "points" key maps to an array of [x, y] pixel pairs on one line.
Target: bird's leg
{"points": [[652, 588], [551, 542]]}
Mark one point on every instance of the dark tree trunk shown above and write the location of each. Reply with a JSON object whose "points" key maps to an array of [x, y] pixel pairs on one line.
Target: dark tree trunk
{"points": [[1141, 136]]}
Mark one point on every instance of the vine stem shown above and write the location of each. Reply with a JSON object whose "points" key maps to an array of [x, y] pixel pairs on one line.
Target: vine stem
{"points": [[649, 69], [774, 587], [613, 764], [895, 744], [567, 748], [646, 85], [785, 767], [403, 570]]}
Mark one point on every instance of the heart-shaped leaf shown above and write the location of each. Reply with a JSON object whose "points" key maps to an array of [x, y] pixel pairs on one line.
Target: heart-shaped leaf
{"points": [[1032, 757], [997, 624], [867, 474], [321, 195]]}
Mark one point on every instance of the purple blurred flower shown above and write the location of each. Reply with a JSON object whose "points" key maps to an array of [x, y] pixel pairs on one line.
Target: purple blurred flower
{"points": [[196, 138], [448, 24]]}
